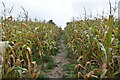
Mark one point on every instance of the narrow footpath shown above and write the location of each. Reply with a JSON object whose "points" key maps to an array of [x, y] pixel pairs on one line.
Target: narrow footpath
{"points": [[60, 60]]}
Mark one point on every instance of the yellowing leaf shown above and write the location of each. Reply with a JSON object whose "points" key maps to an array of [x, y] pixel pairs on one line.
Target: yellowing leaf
{"points": [[9, 70]]}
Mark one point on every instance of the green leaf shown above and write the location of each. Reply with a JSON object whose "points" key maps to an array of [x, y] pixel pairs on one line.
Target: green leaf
{"points": [[108, 39], [104, 51]]}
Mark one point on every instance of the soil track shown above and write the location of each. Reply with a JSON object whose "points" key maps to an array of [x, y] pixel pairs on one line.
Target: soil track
{"points": [[60, 60]]}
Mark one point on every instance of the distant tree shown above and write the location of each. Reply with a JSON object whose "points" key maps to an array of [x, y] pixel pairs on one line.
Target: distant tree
{"points": [[67, 23], [51, 22]]}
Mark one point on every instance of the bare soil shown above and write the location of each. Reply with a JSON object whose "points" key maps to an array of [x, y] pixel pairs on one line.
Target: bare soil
{"points": [[60, 59]]}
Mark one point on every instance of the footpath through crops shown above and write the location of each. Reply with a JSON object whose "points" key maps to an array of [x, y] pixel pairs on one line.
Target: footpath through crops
{"points": [[84, 49]]}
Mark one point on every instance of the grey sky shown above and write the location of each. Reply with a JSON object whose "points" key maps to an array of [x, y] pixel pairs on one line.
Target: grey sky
{"points": [[60, 11]]}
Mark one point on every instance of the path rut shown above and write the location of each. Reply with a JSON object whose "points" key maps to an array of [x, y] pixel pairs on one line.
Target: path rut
{"points": [[60, 60]]}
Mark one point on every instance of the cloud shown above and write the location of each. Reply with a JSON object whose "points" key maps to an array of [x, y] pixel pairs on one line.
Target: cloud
{"points": [[58, 10], [61, 11]]}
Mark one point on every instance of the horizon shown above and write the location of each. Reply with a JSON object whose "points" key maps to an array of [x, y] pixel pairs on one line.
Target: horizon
{"points": [[59, 11]]}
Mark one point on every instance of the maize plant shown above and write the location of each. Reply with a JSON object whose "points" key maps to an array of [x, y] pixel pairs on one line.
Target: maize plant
{"points": [[94, 44], [27, 39]]}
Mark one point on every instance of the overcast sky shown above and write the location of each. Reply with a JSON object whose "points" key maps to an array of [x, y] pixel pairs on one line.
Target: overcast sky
{"points": [[60, 11]]}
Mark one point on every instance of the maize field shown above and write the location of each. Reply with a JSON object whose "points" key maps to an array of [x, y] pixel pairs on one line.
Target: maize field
{"points": [[92, 47]]}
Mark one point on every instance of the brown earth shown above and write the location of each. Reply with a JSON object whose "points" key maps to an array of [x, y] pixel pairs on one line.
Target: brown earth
{"points": [[60, 60]]}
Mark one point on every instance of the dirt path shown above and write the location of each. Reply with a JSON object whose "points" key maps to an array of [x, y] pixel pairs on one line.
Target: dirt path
{"points": [[60, 60]]}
